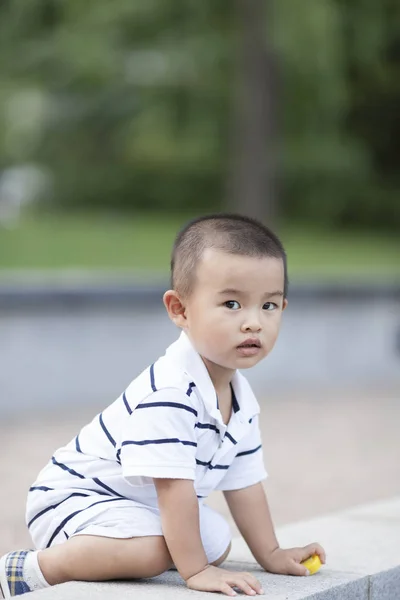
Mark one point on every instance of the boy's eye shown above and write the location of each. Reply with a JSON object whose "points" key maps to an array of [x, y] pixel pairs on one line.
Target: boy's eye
{"points": [[232, 304], [270, 306]]}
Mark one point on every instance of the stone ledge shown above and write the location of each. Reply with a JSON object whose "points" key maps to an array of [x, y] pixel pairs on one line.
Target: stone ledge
{"points": [[363, 563], [330, 586]]}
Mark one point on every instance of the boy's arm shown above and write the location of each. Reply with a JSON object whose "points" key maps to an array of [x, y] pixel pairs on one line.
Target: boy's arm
{"points": [[179, 509], [250, 510]]}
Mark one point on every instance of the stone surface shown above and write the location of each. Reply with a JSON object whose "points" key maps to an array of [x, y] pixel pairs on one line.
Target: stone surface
{"points": [[328, 585], [386, 585], [362, 540]]}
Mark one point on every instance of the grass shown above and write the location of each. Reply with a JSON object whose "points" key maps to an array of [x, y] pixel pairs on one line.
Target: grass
{"points": [[143, 244]]}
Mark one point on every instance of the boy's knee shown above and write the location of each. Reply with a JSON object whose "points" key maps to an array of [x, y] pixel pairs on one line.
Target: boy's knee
{"points": [[222, 558], [150, 554]]}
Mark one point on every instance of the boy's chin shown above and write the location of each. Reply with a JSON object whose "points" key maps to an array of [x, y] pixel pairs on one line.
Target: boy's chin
{"points": [[247, 362]]}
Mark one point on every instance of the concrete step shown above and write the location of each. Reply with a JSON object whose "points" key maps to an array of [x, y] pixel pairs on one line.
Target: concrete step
{"points": [[363, 563]]}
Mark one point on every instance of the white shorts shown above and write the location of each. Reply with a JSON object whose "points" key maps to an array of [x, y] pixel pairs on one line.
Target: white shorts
{"points": [[124, 519]]}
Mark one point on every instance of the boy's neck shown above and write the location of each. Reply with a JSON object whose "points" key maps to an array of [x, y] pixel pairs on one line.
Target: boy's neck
{"points": [[221, 377]]}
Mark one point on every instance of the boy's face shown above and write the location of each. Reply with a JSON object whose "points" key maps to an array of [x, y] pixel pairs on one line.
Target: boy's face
{"points": [[234, 312]]}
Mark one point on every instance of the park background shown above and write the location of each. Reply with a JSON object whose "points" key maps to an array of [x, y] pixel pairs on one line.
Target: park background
{"points": [[118, 122]]}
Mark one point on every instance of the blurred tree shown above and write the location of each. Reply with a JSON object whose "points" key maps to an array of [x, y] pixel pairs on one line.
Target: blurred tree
{"points": [[130, 104], [134, 94], [372, 42], [252, 179], [336, 57]]}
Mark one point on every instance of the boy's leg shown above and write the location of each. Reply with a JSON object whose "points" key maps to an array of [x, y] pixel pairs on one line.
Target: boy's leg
{"points": [[86, 558], [93, 558]]}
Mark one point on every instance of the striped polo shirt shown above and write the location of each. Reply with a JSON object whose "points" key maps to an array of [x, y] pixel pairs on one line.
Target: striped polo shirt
{"points": [[165, 424]]}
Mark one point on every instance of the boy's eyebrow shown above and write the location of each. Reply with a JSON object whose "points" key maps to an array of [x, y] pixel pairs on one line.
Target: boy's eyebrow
{"points": [[238, 292], [231, 291], [272, 294]]}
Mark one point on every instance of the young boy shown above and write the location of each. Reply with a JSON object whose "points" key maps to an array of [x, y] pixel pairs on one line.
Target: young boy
{"points": [[124, 499]]}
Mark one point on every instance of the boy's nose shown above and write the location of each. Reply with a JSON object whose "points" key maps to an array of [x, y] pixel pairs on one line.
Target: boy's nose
{"points": [[251, 325]]}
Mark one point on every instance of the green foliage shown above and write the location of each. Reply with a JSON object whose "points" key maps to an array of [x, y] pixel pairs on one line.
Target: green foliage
{"points": [[129, 103], [142, 242]]}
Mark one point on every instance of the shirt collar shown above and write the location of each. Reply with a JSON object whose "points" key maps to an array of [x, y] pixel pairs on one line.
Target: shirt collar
{"points": [[185, 356]]}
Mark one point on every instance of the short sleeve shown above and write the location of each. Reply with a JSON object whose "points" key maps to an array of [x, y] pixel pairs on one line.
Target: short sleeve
{"points": [[159, 439], [247, 467]]}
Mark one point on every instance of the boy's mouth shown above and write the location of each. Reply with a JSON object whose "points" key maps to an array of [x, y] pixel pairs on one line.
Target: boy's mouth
{"points": [[251, 343], [249, 347]]}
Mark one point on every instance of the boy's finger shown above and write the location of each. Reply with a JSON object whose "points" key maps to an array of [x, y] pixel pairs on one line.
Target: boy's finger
{"points": [[241, 583], [255, 584], [227, 590], [296, 568], [321, 553], [311, 549]]}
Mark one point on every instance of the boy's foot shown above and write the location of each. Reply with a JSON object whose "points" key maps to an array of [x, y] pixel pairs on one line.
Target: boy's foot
{"points": [[12, 582]]}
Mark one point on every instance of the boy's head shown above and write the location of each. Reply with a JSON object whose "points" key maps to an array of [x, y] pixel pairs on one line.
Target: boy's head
{"points": [[230, 233], [229, 286]]}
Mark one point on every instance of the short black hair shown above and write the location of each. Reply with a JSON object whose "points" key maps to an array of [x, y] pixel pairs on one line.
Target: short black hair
{"points": [[231, 233]]}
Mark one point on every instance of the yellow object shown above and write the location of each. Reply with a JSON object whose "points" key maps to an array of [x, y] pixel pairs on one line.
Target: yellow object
{"points": [[313, 564]]}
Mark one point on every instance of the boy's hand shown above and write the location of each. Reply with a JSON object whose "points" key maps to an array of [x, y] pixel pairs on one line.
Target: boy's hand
{"points": [[287, 562], [214, 579]]}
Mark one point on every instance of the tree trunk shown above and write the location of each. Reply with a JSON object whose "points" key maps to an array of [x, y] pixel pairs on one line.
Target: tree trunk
{"points": [[252, 181]]}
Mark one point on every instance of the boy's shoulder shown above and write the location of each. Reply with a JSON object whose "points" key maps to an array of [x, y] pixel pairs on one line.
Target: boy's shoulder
{"points": [[168, 373], [178, 367]]}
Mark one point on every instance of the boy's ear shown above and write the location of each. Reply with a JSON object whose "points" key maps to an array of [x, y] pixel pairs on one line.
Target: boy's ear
{"points": [[285, 303], [175, 308]]}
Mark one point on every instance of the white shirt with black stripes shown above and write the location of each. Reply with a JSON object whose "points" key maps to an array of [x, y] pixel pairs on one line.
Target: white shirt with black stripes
{"points": [[166, 424]]}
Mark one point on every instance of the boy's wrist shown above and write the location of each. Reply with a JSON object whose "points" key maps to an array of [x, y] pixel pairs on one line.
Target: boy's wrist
{"points": [[187, 574], [194, 573], [265, 560]]}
